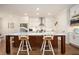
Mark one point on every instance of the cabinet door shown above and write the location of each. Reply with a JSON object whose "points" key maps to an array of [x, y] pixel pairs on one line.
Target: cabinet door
{"points": [[74, 10], [74, 39], [36, 41], [71, 38], [77, 39]]}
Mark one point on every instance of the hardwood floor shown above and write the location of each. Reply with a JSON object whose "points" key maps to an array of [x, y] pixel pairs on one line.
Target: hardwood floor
{"points": [[70, 50]]}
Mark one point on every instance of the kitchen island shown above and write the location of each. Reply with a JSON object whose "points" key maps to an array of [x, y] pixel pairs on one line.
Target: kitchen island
{"points": [[35, 39]]}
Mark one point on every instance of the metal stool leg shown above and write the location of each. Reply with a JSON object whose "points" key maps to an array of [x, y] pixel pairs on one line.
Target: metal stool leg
{"points": [[44, 47], [19, 47], [27, 47], [22, 46], [51, 48]]}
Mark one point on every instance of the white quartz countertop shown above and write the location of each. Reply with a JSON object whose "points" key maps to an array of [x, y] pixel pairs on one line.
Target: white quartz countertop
{"points": [[35, 33]]}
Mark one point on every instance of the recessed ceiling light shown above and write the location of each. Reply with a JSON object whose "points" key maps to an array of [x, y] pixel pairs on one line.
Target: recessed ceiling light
{"points": [[37, 9], [37, 13], [49, 13]]}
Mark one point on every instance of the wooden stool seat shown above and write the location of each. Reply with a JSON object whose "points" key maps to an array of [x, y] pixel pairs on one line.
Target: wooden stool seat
{"points": [[47, 38], [23, 38]]}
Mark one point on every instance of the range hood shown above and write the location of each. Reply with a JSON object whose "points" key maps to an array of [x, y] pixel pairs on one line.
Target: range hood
{"points": [[41, 21], [42, 25]]}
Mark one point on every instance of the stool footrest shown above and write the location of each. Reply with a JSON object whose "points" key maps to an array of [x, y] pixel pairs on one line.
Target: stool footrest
{"points": [[23, 50], [48, 50]]}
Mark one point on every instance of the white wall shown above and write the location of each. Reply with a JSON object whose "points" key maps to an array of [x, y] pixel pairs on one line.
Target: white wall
{"points": [[63, 25], [50, 21], [24, 19], [62, 21], [9, 18]]}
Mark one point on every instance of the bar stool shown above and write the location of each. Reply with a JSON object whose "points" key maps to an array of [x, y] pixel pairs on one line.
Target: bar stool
{"points": [[24, 39], [47, 39]]}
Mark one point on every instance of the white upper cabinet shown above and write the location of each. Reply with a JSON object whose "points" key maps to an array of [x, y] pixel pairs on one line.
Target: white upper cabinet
{"points": [[74, 10]]}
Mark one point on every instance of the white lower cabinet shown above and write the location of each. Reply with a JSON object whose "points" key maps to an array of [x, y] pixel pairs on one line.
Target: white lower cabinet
{"points": [[74, 39]]}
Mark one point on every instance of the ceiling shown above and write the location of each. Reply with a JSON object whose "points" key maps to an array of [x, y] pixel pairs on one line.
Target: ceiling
{"points": [[30, 9]]}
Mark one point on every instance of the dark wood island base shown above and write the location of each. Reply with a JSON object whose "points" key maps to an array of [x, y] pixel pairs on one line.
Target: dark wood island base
{"points": [[35, 41]]}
